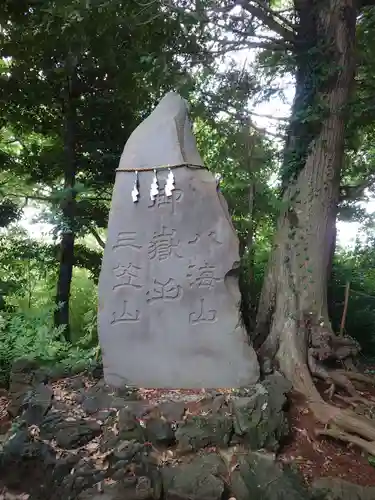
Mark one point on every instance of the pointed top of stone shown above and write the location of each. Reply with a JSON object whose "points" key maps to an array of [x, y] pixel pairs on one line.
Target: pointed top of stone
{"points": [[164, 139]]}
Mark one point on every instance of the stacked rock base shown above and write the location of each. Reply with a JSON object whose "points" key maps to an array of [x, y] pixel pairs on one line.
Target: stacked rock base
{"points": [[77, 439]]}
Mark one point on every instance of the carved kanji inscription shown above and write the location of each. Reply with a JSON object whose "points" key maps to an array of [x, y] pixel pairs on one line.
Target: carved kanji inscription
{"points": [[126, 239], [211, 236], [163, 245], [126, 315], [203, 276], [164, 290], [202, 314], [127, 276], [162, 200]]}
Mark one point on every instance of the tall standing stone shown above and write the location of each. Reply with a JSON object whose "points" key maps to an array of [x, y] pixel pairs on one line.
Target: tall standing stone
{"points": [[168, 291]]}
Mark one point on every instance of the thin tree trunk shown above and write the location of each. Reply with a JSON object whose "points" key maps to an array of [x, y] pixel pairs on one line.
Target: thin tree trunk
{"points": [[247, 274], [68, 204], [333, 249], [251, 160], [345, 311], [330, 291], [250, 231], [250, 140]]}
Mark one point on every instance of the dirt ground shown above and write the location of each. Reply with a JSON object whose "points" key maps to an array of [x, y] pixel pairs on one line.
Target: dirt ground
{"points": [[321, 457]]}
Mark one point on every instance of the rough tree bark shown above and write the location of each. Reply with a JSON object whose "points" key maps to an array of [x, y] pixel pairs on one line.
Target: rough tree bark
{"points": [[293, 330], [68, 203]]}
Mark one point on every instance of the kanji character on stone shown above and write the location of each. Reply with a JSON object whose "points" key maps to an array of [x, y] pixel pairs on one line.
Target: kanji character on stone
{"points": [[127, 276], [203, 276], [168, 290], [162, 246]]}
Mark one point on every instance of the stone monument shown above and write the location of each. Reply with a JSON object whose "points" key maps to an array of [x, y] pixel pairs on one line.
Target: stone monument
{"points": [[168, 292]]}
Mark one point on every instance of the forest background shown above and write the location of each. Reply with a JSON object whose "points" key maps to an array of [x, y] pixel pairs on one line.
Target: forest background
{"points": [[77, 76]]}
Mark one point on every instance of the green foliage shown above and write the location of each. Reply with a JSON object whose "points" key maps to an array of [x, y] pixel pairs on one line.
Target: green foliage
{"points": [[28, 275], [83, 307], [24, 264], [43, 45], [27, 282], [31, 334], [9, 212], [357, 267], [243, 158], [246, 161]]}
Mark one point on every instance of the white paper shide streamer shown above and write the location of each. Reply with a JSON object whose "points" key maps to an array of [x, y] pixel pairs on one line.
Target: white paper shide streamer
{"points": [[169, 185], [154, 190], [135, 191]]}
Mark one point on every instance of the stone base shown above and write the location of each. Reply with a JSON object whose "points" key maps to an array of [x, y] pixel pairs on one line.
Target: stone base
{"points": [[77, 439]]}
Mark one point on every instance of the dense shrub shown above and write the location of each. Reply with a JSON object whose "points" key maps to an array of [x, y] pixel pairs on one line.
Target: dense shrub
{"points": [[31, 334]]}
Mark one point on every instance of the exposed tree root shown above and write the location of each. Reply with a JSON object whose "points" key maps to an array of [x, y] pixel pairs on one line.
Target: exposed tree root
{"points": [[343, 424], [369, 447], [346, 400], [358, 377], [341, 380], [326, 347], [336, 379]]}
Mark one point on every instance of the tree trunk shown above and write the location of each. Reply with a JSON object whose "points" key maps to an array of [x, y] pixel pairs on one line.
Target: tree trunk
{"points": [[247, 278], [247, 274], [293, 304], [68, 204], [330, 294], [292, 324]]}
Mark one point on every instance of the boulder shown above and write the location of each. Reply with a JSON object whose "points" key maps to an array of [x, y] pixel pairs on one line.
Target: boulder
{"points": [[37, 404], [259, 416], [197, 480], [24, 376], [204, 430], [159, 431], [258, 476], [329, 488], [168, 291], [74, 433], [101, 397]]}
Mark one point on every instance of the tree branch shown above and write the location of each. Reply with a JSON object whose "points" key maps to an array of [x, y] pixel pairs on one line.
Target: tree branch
{"points": [[260, 131], [261, 41], [247, 44], [366, 3], [28, 197], [352, 192], [275, 13], [271, 117], [195, 14], [263, 131], [267, 16], [97, 236], [261, 11]]}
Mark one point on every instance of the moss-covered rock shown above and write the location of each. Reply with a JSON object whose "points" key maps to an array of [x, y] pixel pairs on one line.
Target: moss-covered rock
{"points": [[259, 417], [329, 488], [258, 476], [197, 480], [204, 430]]}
